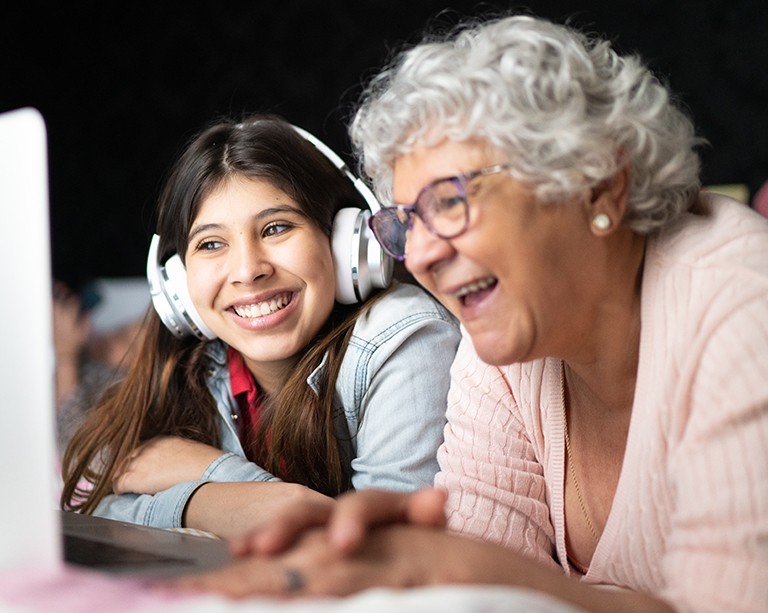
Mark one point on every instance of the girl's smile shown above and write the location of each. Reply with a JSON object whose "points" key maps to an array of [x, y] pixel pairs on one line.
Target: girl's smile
{"points": [[262, 314]]}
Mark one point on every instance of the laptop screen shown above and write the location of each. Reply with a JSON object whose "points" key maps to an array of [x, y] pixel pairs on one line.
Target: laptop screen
{"points": [[28, 521]]}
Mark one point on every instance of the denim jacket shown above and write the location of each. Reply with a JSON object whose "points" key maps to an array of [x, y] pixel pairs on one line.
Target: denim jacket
{"points": [[391, 399]]}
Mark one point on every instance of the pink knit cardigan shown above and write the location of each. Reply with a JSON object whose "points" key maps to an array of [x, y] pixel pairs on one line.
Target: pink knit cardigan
{"points": [[689, 521]]}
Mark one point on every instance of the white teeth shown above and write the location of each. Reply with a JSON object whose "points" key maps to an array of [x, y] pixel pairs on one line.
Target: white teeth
{"points": [[260, 309], [475, 286]]}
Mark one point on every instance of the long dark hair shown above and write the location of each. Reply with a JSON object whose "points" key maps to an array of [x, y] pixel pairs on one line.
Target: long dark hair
{"points": [[165, 391]]}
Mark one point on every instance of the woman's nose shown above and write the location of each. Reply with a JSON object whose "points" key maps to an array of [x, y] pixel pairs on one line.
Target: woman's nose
{"points": [[423, 249]]}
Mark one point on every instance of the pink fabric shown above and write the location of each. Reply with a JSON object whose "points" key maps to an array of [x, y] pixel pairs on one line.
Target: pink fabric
{"points": [[70, 590], [689, 520], [760, 201]]}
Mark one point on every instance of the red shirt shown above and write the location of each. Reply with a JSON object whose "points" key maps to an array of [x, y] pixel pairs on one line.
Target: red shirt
{"points": [[247, 396]]}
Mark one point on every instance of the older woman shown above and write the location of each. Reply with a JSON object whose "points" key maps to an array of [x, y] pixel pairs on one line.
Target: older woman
{"points": [[608, 417]]}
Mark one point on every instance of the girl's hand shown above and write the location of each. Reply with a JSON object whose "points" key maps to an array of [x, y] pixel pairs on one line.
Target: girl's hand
{"points": [[161, 463]]}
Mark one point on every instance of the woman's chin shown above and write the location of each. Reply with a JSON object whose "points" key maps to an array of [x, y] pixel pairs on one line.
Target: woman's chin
{"points": [[491, 350], [492, 354]]}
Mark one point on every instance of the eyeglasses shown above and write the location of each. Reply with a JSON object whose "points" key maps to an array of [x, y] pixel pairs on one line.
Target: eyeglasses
{"points": [[441, 205]]}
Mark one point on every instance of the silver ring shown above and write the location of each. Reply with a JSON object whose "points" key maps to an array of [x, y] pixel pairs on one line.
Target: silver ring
{"points": [[295, 580]]}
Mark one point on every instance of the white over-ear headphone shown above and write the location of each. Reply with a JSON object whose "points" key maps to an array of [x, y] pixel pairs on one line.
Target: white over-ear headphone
{"points": [[360, 262]]}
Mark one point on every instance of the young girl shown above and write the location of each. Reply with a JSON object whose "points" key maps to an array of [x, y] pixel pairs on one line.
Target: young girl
{"points": [[297, 397]]}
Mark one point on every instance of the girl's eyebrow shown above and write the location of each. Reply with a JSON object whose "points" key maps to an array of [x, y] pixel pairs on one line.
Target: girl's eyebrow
{"points": [[265, 213], [200, 229]]}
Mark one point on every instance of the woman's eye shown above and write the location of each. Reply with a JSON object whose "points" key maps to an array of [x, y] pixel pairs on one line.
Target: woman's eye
{"points": [[449, 203], [275, 228]]}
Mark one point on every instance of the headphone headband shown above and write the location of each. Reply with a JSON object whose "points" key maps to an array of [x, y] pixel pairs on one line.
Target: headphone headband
{"points": [[360, 186]]}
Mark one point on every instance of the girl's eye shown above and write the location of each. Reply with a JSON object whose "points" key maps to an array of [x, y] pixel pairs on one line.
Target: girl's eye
{"points": [[275, 228], [209, 245]]}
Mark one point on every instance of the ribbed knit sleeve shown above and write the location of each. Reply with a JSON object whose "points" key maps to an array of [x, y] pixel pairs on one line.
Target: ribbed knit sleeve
{"points": [[716, 554], [702, 483], [495, 483]]}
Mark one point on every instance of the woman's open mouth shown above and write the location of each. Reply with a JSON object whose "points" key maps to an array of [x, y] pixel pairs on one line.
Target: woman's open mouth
{"points": [[474, 292]]}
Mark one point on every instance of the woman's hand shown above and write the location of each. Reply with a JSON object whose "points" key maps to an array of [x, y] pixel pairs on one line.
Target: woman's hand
{"points": [[362, 546], [402, 556], [348, 521], [161, 463], [392, 556]]}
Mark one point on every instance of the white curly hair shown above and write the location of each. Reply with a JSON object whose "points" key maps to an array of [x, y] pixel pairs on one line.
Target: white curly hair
{"points": [[566, 107]]}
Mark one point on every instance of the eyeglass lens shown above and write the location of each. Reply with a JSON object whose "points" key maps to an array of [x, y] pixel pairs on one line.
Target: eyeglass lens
{"points": [[442, 207], [390, 226]]}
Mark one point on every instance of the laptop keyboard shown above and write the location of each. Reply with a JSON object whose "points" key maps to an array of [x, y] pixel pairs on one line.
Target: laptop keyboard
{"points": [[87, 552]]}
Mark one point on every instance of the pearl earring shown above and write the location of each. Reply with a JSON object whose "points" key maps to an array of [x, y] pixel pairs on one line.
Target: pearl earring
{"points": [[601, 221]]}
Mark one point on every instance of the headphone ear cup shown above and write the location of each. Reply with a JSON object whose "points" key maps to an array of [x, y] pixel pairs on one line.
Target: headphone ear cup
{"points": [[360, 262], [170, 296], [176, 287]]}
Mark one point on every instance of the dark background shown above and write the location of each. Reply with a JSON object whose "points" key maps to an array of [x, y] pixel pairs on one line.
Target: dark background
{"points": [[123, 85]]}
